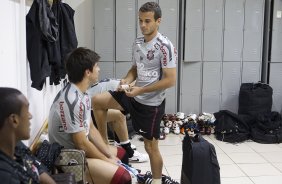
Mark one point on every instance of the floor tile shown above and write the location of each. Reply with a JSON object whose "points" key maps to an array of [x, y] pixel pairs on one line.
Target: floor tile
{"points": [[278, 166], [237, 180], [246, 158], [223, 159], [234, 148], [274, 157], [259, 169], [174, 172], [261, 148], [267, 179], [230, 171]]}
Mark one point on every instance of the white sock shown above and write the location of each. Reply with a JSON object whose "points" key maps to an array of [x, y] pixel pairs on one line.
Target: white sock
{"points": [[125, 142], [157, 181]]}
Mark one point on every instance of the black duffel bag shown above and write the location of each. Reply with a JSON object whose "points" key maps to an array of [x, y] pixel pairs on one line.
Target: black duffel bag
{"points": [[255, 98]]}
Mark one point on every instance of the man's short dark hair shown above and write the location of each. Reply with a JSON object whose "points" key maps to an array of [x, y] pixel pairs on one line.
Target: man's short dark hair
{"points": [[78, 61], [9, 103], [152, 7]]}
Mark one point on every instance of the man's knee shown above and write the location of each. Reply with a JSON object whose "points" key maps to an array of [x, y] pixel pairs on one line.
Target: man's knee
{"points": [[121, 176]]}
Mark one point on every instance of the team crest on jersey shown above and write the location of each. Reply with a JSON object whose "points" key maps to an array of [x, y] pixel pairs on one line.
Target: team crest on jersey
{"points": [[150, 55], [157, 46]]}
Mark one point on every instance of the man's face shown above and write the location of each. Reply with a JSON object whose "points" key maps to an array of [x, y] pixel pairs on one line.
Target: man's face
{"points": [[94, 75], [23, 130], [147, 23]]}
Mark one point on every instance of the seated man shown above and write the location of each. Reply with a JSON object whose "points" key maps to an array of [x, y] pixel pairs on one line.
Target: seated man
{"points": [[117, 120], [70, 121], [16, 167]]}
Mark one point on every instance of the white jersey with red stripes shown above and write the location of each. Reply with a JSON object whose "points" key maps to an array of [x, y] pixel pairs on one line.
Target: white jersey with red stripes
{"points": [[150, 57], [70, 113]]}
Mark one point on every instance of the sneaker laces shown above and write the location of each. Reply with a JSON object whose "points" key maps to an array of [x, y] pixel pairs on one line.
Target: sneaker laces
{"points": [[145, 178]]}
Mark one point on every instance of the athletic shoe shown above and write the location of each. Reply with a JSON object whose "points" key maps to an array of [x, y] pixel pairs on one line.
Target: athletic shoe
{"points": [[168, 180], [132, 145], [145, 178], [139, 157]]}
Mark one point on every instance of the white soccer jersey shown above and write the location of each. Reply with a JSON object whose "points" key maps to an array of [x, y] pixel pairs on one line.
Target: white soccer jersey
{"points": [[70, 113], [150, 57], [102, 86]]}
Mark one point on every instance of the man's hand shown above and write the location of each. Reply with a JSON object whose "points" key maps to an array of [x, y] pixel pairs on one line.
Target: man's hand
{"points": [[134, 91]]}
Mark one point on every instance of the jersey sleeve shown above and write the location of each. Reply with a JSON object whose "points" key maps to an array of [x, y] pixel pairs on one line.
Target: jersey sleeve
{"points": [[168, 55]]}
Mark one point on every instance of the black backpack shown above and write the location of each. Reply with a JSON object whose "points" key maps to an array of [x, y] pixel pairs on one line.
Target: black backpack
{"points": [[229, 127], [255, 98], [199, 164]]}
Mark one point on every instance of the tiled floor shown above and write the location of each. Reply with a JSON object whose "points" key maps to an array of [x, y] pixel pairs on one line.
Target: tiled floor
{"points": [[245, 163]]}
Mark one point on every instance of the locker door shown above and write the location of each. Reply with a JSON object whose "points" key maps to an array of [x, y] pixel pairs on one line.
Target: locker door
{"points": [[251, 72], [213, 30], [276, 84], [104, 29], [125, 29], [276, 47], [233, 33], [253, 30], [230, 86], [169, 23], [211, 87], [191, 87], [122, 69], [169, 28], [193, 30], [107, 69]]}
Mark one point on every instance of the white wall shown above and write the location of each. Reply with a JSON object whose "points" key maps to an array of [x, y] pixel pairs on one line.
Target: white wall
{"points": [[14, 69]]}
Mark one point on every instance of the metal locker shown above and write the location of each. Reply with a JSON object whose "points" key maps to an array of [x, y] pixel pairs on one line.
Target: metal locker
{"points": [[191, 87], [277, 15], [125, 29], [213, 30], [233, 44], [251, 72], [234, 14], [193, 30], [212, 45], [122, 69], [194, 14], [104, 29], [213, 14], [169, 22], [275, 82], [252, 50], [211, 87], [171, 99], [106, 69], [193, 45], [230, 86], [139, 4], [254, 11], [276, 47]]}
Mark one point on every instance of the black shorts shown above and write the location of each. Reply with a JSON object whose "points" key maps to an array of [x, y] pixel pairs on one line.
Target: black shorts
{"points": [[146, 119]]}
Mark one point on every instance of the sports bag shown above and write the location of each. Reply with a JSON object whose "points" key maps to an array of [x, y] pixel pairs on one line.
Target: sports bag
{"points": [[199, 163], [229, 127], [255, 98]]}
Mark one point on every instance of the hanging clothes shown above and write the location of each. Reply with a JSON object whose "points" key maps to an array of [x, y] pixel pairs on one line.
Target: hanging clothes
{"points": [[50, 37], [41, 28]]}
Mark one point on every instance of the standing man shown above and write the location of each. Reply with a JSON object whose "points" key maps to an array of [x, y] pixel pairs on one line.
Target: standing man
{"points": [[154, 69], [70, 122]]}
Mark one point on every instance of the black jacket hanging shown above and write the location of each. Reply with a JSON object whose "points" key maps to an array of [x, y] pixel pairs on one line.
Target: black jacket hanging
{"points": [[41, 29], [67, 40]]}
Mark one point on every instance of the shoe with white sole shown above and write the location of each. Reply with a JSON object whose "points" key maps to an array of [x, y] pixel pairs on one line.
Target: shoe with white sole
{"points": [[139, 157]]}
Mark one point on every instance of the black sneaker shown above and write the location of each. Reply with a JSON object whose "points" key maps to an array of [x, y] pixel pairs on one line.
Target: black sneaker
{"points": [[145, 178], [168, 180]]}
